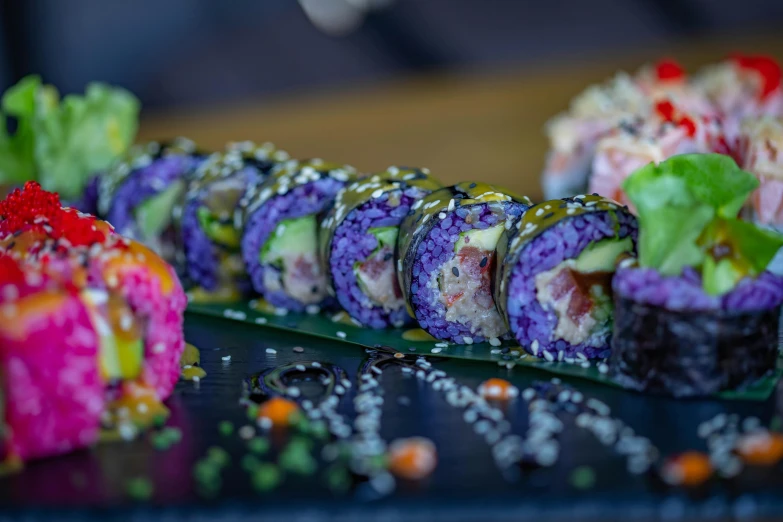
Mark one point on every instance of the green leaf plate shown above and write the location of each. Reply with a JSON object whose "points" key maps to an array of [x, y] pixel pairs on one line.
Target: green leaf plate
{"points": [[340, 328]]}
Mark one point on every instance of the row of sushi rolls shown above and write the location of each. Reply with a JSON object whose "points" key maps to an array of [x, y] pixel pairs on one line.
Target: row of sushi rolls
{"points": [[654, 249]]}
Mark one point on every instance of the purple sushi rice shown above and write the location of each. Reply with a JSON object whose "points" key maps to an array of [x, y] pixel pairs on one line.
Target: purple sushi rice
{"points": [[353, 243], [436, 249], [566, 240], [299, 201], [685, 292]]}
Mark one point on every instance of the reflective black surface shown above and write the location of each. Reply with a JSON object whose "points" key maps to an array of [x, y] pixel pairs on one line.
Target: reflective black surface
{"points": [[466, 485]]}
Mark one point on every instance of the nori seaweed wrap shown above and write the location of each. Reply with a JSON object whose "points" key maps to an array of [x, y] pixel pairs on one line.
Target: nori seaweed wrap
{"points": [[447, 260], [553, 282], [358, 243], [209, 223], [671, 337], [138, 194], [280, 234]]}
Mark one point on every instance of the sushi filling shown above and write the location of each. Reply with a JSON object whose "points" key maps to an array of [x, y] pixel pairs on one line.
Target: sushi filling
{"points": [[376, 275], [291, 262], [153, 219], [464, 282], [578, 291]]}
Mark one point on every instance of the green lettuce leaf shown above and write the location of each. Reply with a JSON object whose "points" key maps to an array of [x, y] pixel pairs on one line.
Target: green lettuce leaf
{"points": [[687, 208], [61, 143]]}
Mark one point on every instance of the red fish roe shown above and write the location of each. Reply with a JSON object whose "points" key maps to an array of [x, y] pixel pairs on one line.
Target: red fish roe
{"points": [[36, 210], [413, 458], [761, 448], [691, 468], [668, 112], [498, 389], [669, 70], [767, 68]]}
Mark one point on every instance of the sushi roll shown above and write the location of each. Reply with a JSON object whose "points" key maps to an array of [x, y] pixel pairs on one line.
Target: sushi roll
{"points": [[573, 134], [698, 312], [742, 87], [280, 234], [761, 153], [358, 243], [209, 223], [137, 195], [134, 297], [553, 284], [50, 385], [639, 141], [447, 260]]}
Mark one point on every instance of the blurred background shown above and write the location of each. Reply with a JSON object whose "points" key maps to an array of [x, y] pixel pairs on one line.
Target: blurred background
{"points": [[454, 84]]}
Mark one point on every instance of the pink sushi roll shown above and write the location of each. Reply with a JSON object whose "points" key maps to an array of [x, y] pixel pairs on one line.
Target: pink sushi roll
{"points": [[742, 87], [761, 153], [638, 142], [51, 384]]}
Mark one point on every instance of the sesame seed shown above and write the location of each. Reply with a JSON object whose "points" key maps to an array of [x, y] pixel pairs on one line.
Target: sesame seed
{"points": [[260, 320], [226, 358], [436, 350], [468, 340], [494, 341], [271, 350], [341, 335], [548, 356]]}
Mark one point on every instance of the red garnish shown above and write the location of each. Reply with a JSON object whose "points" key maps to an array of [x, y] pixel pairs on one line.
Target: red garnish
{"points": [[451, 299], [668, 70], [10, 272], [36, 210], [767, 68], [668, 112]]}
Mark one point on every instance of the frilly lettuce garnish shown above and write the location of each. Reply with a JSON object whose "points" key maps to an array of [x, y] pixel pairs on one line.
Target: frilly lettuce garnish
{"points": [[687, 208], [62, 142]]}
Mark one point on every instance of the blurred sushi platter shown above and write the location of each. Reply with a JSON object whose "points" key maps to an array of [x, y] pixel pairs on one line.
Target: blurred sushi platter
{"points": [[373, 336]]}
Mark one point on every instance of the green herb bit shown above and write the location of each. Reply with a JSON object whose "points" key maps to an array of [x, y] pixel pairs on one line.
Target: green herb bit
{"points": [[266, 477], [583, 477], [218, 456], [258, 445], [250, 462], [319, 430], [252, 412], [776, 423], [226, 428], [140, 488], [296, 458], [337, 478]]}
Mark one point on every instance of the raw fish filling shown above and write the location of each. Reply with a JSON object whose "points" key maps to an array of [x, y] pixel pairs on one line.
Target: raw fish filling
{"points": [[581, 301], [378, 279], [465, 284]]}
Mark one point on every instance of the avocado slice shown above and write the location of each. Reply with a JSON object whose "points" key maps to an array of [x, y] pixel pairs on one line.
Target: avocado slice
{"points": [[291, 236], [222, 233], [154, 215], [117, 358], [601, 256], [386, 236], [483, 239]]}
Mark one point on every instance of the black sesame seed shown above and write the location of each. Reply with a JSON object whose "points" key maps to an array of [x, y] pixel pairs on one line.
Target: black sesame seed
{"points": [[483, 262], [595, 194], [388, 256], [17, 233], [562, 205], [455, 271], [472, 185], [547, 216], [314, 289], [12, 244]]}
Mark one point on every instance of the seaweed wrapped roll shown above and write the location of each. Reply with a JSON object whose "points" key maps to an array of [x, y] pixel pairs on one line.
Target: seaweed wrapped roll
{"points": [[699, 313], [447, 260], [554, 279], [209, 222], [280, 235], [137, 195], [359, 239]]}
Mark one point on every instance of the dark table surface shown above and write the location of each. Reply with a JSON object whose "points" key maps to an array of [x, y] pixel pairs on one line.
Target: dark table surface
{"points": [[466, 484]]}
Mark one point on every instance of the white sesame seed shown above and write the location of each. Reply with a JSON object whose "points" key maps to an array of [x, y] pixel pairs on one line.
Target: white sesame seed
{"points": [[341, 335], [159, 347], [494, 341], [436, 350], [540, 212], [226, 358], [260, 320], [534, 346], [468, 340], [603, 368], [442, 345], [271, 350], [548, 356]]}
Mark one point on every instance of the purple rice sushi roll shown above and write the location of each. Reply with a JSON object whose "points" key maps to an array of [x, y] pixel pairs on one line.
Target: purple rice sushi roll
{"points": [[138, 194], [447, 254], [554, 284], [209, 222], [699, 311], [280, 236], [359, 239]]}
